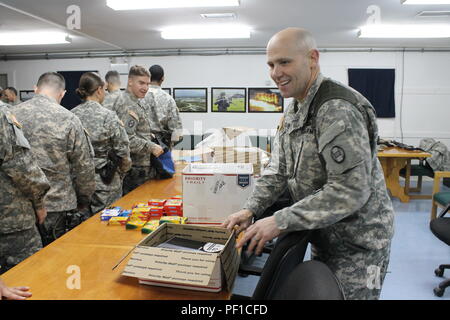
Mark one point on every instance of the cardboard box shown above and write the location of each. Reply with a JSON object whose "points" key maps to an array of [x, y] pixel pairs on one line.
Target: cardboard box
{"points": [[213, 191], [256, 156], [193, 270]]}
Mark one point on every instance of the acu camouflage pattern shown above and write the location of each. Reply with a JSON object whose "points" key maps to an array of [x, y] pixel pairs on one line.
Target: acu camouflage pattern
{"points": [[107, 134], [62, 150], [440, 156], [134, 114], [110, 100], [338, 188], [23, 186], [164, 116]]}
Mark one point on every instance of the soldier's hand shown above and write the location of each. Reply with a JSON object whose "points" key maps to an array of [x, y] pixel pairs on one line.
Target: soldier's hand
{"points": [[242, 219], [157, 151], [260, 232], [16, 293], [41, 214]]}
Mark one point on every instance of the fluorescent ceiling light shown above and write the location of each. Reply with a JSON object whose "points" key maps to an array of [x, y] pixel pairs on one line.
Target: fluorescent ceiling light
{"points": [[160, 4], [225, 31], [425, 1], [32, 38], [405, 31]]}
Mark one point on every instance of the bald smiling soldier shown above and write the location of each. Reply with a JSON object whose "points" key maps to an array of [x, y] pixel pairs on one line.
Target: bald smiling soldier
{"points": [[325, 154]]}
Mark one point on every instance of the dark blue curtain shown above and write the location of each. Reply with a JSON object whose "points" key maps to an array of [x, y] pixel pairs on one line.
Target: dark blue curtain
{"points": [[377, 85], [71, 99]]}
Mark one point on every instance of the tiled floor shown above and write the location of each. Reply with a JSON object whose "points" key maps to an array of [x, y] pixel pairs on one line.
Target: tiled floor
{"points": [[415, 253]]}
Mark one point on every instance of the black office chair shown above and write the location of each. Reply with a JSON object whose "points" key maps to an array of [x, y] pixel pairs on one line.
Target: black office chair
{"points": [[288, 252], [441, 229], [310, 280]]}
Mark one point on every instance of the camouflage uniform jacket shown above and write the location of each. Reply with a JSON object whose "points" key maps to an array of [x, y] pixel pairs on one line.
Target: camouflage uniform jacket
{"points": [[110, 99], [62, 150], [134, 114], [333, 176], [440, 156], [106, 133], [23, 185], [164, 116]]}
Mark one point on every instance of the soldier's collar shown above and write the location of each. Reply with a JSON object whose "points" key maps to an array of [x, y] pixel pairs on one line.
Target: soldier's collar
{"points": [[40, 95], [132, 96]]}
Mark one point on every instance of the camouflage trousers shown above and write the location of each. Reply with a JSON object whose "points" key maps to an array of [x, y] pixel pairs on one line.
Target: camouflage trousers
{"points": [[17, 246], [360, 271], [135, 177], [102, 199]]}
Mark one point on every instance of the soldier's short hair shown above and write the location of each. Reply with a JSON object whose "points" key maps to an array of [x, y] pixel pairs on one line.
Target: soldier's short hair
{"points": [[11, 89], [112, 76], [53, 80], [156, 73], [138, 71]]}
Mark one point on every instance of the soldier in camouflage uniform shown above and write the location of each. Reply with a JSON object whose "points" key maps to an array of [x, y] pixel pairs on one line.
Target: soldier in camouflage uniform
{"points": [[113, 86], [62, 150], [23, 186], [165, 121], [325, 154], [109, 140], [134, 114]]}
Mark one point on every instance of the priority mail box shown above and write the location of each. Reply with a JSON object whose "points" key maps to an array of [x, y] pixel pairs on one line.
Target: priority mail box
{"points": [[213, 191], [185, 269]]}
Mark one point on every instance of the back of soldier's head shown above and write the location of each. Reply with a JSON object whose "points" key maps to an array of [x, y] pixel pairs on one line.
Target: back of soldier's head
{"points": [[156, 72], [53, 81], [138, 71], [113, 77]]}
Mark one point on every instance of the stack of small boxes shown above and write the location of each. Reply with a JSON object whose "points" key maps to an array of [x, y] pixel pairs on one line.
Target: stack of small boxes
{"points": [[147, 216]]}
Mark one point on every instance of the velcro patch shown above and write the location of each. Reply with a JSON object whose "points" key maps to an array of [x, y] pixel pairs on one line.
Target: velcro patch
{"points": [[337, 154]]}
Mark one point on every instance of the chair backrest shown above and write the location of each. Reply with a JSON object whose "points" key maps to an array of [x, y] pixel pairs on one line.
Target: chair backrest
{"points": [[310, 280], [288, 252]]}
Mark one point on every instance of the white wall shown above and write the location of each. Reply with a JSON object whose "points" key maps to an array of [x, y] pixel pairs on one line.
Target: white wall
{"points": [[425, 102]]}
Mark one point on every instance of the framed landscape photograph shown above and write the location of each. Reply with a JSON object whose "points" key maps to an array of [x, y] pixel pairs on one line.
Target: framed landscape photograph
{"points": [[26, 95], [228, 99], [265, 100], [168, 90], [191, 99]]}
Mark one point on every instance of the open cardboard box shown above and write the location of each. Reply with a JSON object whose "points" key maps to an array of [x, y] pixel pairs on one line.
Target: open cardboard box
{"points": [[194, 270]]}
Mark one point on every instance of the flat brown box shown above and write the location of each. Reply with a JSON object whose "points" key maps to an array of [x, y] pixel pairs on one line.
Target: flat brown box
{"points": [[193, 270]]}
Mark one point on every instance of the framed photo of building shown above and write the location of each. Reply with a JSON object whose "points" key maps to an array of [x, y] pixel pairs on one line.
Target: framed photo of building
{"points": [[191, 99], [228, 99], [25, 95], [265, 100], [168, 90]]}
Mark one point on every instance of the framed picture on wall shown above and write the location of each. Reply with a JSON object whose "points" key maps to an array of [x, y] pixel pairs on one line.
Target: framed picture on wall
{"points": [[228, 99], [191, 99], [26, 95], [265, 100], [168, 90]]}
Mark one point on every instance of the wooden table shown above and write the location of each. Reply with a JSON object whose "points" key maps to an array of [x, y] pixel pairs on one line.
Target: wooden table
{"points": [[96, 248], [393, 160]]}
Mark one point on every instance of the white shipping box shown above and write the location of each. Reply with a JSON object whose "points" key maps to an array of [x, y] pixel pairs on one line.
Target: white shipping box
{"points": [[213, 191], [184, 269]]}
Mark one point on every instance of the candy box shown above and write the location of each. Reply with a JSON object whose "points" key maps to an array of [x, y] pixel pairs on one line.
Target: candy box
{"points": [[183, 269]]}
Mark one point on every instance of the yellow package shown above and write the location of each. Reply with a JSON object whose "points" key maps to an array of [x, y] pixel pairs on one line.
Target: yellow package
{"points": [[150, 226], [117, 221], [140, 210], [139, 217], [173, 219], [135, 225]]}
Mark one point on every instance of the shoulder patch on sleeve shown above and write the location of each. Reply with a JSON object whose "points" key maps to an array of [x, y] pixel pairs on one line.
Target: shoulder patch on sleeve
{"points": [[15, 122], [134, 115]]}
